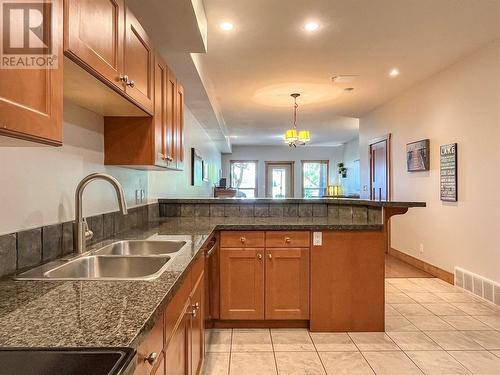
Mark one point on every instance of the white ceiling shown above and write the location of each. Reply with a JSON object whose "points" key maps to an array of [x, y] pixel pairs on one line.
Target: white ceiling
{"points": [[253, 68]]}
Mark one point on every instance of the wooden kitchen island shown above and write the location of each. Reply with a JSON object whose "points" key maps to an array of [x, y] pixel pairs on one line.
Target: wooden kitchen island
{"points": [[319, 266]]}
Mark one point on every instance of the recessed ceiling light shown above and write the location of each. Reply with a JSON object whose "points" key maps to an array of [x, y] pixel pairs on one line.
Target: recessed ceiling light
{"points": [[311, 26], [394, 72], [226, 26]]}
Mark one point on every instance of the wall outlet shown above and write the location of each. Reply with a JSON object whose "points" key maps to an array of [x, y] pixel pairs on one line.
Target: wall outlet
{"points": [[421, 248], [137, 196], [317, 238], [143, 195]]}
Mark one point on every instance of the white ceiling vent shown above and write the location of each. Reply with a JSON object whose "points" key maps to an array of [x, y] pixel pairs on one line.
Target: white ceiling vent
{"points": [[345, 78]]}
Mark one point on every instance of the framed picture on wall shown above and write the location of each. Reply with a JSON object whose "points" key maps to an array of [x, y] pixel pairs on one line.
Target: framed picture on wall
{"points": [[417, 156], [448, 172], [196, 168]]}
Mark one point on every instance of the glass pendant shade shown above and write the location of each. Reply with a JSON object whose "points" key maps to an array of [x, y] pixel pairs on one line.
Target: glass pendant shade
{"points": [[304, 136], [291, 135]]}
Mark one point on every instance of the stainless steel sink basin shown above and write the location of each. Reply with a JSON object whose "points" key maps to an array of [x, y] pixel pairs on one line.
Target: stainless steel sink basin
{"points": [[144, 248], [96, 267]]}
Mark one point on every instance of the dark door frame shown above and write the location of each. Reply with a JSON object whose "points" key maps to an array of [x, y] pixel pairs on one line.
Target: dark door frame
{"points": [[388, 181]]}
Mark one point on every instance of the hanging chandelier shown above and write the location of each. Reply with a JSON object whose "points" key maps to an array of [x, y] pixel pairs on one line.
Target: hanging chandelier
{"points": [[294, 138]]}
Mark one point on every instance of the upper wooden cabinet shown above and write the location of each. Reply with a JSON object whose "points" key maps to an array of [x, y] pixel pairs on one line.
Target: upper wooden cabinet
{"points": [[138, 63], [31, 100], [105, 38], [179, 127], [93, 36], [145, 142]]}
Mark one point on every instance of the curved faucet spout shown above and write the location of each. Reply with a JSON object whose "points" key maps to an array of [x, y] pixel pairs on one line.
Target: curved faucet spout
{"points": [[81, 231]]}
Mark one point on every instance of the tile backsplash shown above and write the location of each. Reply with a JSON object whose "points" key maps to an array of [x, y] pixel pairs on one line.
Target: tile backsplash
{"points": [[32, 247]]}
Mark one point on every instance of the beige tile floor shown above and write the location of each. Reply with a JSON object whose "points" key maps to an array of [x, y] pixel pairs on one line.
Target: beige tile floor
{"points": [[431, 328]]}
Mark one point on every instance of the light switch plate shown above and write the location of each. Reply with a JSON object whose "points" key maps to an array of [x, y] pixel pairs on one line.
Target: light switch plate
{"points": [[317, 238]]}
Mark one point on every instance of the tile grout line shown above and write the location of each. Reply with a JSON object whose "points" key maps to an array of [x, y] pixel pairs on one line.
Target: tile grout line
{"points": [[317, 352], [359, 351], [230, 353], [274, 353]]}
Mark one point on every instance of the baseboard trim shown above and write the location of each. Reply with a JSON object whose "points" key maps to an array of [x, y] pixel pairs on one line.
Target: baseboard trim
{"points": [[260, 324], [424, 266]]}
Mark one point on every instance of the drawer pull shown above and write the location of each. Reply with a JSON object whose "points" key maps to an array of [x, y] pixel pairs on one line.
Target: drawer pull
{"points": [[288, 239], [151, 358], [243, 239], [192, 312], [259, 256]]}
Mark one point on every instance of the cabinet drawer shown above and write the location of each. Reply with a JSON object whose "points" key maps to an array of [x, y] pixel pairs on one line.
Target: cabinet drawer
{"points": [[152, 346], [242, 239], [288, 239]]}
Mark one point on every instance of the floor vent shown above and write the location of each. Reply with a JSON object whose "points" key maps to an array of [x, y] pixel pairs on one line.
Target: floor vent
{"points": [[480, 286]]}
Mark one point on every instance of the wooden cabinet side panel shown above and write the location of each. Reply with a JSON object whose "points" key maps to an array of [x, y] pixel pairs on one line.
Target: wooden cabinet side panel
{"points": [[31, 100], [242, 284], [177, 352], [179, 131], [198, 326], [160, 112], [347, 282], [287, 283]]}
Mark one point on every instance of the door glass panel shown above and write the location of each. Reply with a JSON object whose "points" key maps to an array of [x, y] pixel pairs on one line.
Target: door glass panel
{"points": [[279, 183]]}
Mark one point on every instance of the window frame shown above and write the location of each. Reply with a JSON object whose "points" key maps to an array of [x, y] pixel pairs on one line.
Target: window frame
{"points": [[256, 162], [327, 162]]}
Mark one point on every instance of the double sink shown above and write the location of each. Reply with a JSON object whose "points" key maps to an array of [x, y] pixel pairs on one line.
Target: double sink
{"points": [[122, 260]]}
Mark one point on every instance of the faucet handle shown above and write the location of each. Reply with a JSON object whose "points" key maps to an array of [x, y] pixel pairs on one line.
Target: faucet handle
{"points": [[88, 233]]}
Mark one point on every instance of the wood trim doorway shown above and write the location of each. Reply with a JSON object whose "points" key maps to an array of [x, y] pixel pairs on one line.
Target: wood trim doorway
{"points": [[290, 164], [380, 189]]}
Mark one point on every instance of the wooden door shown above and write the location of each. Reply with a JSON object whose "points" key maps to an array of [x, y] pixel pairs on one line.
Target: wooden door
{"points": [[160, 115], [287, 283], [171, 108], [197, 326], [31, 100], [177, 352], [379, 169], [242, 283], [347, 282], [138, 63], [179, 127], [94, 31]]}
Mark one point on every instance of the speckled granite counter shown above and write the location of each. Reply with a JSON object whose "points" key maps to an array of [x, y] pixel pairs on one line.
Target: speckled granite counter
{"points": [[119, 313]]}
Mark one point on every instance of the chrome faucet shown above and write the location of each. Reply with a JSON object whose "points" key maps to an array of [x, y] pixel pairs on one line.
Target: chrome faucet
{"points": [[81, 231]]}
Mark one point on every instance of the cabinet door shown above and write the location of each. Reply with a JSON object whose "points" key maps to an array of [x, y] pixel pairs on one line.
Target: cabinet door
{"points": [[171, 120], [94, 31], [138, 63], [149, 353], [242, 283], [287, 283], [177, 351], [197, 327], [160, 115], [160, 368], [179, 127], [31, 100]]}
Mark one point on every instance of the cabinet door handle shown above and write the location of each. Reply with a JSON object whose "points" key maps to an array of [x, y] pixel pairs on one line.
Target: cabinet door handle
{"points": [[259, 256], [131, 83], [270, 256], [124, 78], [196, 306], [151, 358]]}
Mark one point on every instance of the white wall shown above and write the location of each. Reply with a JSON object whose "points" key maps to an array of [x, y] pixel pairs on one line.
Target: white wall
{"points": [[37, 184], [460, 104], [283, 153], [350, 157], [168, 184]]}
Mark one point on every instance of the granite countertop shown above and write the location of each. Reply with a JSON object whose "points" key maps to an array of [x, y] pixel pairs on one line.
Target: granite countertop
{"points": [[331, 200], [119, 313]]}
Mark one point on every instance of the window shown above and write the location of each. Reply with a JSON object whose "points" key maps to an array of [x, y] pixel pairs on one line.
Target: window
{"points": [[314, 178], [243, 177]]}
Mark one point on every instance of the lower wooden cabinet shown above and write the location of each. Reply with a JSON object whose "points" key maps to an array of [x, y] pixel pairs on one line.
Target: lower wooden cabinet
{"points": [[287, 284], [242, 284], [175, 345], [263, 283]]}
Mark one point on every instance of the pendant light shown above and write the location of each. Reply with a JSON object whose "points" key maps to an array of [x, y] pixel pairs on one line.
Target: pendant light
{"points": [[293, 137]]}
